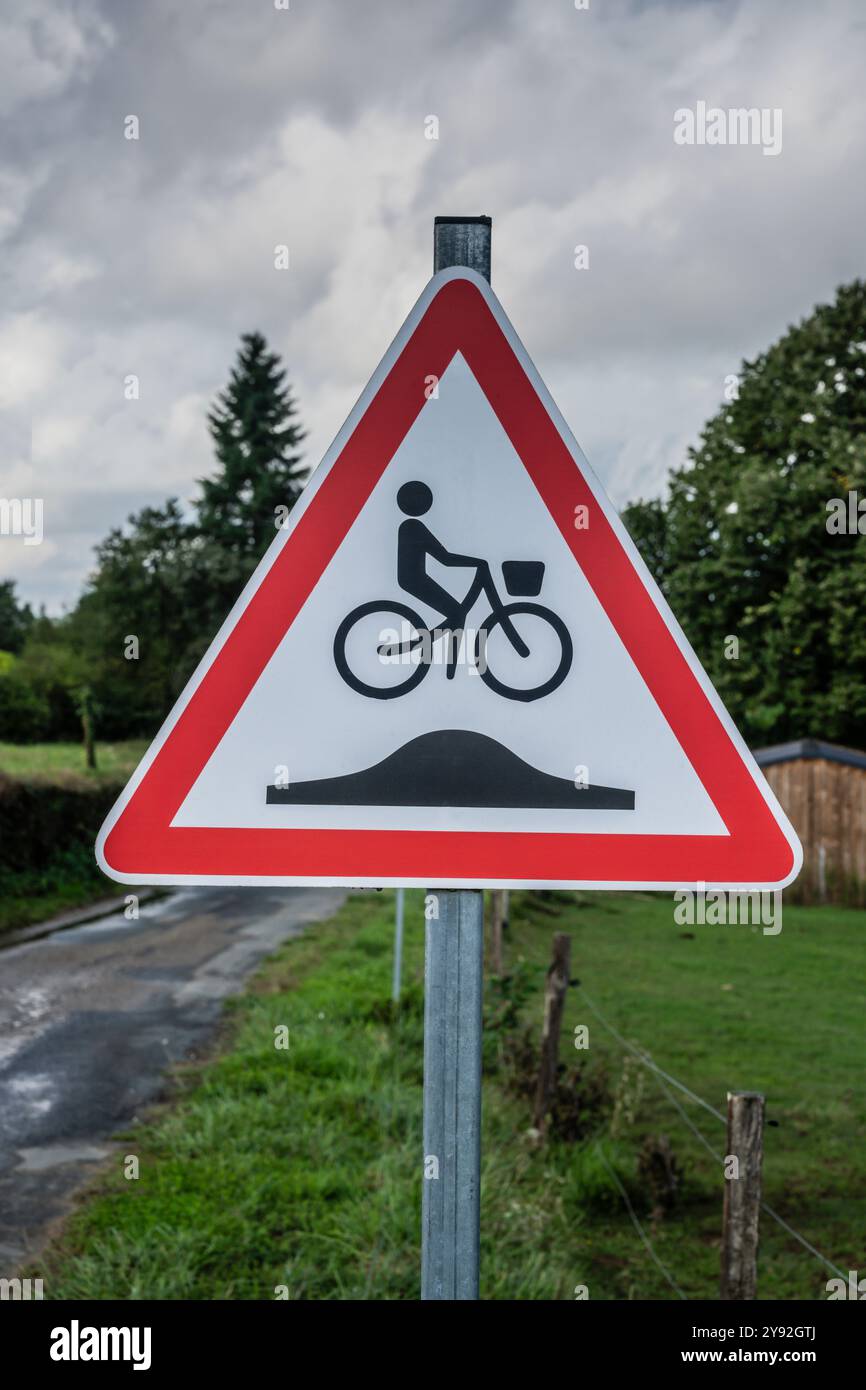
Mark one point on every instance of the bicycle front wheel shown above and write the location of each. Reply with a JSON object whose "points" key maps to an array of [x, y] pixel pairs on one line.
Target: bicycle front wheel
{"points": [[524, 678]]}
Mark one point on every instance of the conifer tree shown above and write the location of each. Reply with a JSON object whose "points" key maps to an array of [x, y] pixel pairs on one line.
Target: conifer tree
{"points": [[256, 439]]}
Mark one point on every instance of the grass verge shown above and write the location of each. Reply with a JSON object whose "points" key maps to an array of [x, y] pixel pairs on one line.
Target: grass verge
{"points": [[301, 1167], [114, 761], [73, 880]]}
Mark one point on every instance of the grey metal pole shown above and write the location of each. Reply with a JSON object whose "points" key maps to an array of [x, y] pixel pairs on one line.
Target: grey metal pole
{"points": [[462, 241], [450, 1208], [453, 979], [398, 944]]}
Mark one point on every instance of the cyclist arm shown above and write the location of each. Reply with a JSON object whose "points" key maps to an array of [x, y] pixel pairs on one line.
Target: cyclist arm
{"points": [[448, 557]]}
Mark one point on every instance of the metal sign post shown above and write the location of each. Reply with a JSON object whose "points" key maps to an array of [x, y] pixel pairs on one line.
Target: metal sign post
{"points": [[453, 979], [453, 973]]}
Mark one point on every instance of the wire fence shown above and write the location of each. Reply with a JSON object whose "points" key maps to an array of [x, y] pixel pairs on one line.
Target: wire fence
{"points": [[666, 1081]]}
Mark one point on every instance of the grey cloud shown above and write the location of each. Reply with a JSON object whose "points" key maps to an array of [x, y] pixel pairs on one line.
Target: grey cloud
{"points": [[260, 126]]}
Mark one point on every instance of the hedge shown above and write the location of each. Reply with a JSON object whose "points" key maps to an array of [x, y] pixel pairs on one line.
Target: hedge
{"points": [[44, 823]]}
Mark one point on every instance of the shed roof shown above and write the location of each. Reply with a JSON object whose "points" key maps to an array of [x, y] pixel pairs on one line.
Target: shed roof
{"points": [[809, 748]]}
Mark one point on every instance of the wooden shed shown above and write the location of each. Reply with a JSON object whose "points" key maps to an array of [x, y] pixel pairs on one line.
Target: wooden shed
{"points": [[822, 787]]}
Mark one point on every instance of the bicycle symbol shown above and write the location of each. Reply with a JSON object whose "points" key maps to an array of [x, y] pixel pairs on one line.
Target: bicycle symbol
{"points": [[415, 542]]}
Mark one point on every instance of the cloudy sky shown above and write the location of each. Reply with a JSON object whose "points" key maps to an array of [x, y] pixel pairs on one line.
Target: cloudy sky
{"points": [[260, 126]]}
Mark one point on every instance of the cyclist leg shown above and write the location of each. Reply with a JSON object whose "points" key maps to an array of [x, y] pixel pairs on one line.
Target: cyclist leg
{"points": [[433, 596]]}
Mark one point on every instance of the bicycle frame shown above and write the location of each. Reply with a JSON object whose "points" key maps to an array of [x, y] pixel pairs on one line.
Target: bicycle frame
{"points": [[456, 621]]}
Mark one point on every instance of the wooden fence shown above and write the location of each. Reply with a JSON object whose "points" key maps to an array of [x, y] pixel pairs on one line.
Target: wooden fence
{"points": [[825, 799]]}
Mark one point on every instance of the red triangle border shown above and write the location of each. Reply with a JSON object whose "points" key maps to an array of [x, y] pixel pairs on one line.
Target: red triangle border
{"points": [[142, 844]]}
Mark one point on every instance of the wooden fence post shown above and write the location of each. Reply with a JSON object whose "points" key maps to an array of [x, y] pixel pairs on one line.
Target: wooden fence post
{"points": [[742, 1194], [554, 1003]]}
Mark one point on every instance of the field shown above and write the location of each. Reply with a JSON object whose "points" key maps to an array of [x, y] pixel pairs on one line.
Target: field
{"points": [[113, 760], [301, 1167]]}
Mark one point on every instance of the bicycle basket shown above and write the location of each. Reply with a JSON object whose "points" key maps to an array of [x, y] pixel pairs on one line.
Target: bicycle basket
{"points": [[523, 576]]}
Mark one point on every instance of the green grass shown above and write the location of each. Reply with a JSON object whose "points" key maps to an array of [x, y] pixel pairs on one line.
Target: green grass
{"points": [[113, 760], [72, 880], [303, 1167]]}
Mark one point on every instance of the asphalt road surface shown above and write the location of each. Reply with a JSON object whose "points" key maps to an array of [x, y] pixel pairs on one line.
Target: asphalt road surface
{"points": [[91, 1016]]}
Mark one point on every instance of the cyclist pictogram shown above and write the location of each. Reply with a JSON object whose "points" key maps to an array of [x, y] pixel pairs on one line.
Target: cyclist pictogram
{"points": [[530, 628]]}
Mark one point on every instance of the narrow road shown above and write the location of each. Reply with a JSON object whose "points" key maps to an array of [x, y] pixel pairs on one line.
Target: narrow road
{"points": [[90, 1017]]}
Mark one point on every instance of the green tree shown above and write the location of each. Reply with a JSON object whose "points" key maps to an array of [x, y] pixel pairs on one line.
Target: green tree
{"points": [[88, 712], [164, 583], [52, 663], [741, 546], [139, 620], [24, 712], [16, 618], [256, 438]]}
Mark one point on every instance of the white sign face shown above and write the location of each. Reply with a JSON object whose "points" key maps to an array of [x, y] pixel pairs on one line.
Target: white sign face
{"points": [[451, 668], [601, 719]]}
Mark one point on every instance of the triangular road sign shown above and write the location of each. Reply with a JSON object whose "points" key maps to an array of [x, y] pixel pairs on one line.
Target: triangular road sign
{"points": [[451, 668]]}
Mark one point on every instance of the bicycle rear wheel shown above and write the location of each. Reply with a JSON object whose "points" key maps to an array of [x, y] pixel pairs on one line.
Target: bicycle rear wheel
{"points": [[374, 675]]}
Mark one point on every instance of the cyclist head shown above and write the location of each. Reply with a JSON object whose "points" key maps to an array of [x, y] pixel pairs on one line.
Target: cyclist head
{"points": [[414, 499]]}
